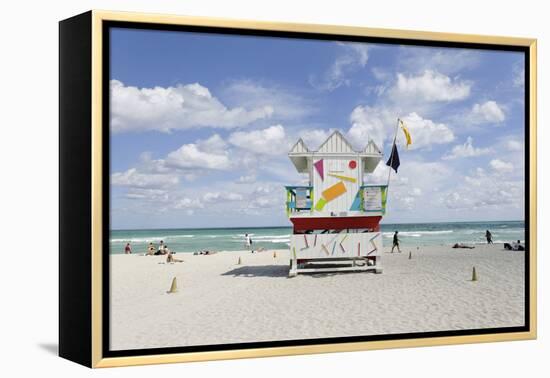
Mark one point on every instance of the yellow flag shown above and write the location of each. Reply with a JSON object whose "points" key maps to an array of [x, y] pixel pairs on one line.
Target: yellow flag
{"points": [[406, 132]]}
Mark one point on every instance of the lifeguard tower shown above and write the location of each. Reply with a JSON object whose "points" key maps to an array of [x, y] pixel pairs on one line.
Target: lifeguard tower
{"points": [[336, 218]]}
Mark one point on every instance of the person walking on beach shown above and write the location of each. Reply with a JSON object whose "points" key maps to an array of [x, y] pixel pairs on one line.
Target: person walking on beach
{"points": [[127, 249], [395, 242], [489, 237], [248, 242]]}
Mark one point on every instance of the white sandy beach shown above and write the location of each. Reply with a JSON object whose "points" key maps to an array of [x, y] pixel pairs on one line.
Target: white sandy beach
{"points": [[220, 302]]}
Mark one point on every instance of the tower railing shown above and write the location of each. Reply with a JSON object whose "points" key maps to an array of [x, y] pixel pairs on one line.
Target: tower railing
{"points": [[298, 199], [370, 199]]}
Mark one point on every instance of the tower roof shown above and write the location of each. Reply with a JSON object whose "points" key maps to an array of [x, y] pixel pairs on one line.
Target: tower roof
{"points": [[337, 145], [299, 147]]}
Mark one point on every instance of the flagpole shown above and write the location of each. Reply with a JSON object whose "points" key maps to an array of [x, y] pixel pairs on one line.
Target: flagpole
{"points": [[391, 160]]}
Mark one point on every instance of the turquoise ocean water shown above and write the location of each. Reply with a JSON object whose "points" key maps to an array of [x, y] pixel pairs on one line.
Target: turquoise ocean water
{"points": [[232, 239]]}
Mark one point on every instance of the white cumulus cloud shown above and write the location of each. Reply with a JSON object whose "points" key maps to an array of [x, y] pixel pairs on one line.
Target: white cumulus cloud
{"points": [[514, 145], [246, 179], [205, 154], [133, 178], [415, 182], [466, 150], [378, 124], [430, 86], [214, 197], [188, 203], [447, 61], [269, 141], [370, 123], [314, 138], [501, 166], [175, 108], [482, 190], [487, 112], [425, 132]]}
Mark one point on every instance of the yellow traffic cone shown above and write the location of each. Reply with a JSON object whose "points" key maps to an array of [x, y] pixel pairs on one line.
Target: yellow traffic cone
{"points": [[474, 275], [239, 262], [173, 287]]}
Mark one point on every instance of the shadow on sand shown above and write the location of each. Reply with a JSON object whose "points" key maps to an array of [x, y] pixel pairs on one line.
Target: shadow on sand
{"points": [[259, 271], [330, 274], [282, 271]]}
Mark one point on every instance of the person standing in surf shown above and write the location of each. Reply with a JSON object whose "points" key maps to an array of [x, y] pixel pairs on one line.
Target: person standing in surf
{"points": [[489, 237], [248, 242]]}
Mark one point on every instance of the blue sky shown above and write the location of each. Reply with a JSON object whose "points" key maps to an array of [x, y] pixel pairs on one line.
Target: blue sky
{"points": [[201, 125]]}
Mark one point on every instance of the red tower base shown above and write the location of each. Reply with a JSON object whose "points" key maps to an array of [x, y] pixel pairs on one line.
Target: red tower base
{"points": [[303, 224]]}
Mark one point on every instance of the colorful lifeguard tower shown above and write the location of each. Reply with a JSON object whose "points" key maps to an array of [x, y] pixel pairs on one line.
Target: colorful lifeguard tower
{"points": [[336, 218]]}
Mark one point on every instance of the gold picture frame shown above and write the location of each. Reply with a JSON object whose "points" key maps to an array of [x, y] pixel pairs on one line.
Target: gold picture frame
{"points": [[92, 25]]}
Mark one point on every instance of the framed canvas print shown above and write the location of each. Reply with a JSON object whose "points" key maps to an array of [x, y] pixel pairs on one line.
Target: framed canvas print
{"points": [[235, 189]]}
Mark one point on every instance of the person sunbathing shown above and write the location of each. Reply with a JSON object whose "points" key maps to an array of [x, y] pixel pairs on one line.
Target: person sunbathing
{"points": [[204, 252], [460, 245], [170, 257], [514, 246], [518, 247], [150, 250]]}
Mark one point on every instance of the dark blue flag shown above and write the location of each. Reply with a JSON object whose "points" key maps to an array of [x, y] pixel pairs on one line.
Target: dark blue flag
{"points": [[393, 161]]}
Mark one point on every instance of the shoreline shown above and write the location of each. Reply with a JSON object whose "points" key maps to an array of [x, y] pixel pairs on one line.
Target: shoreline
{"points": [[412, 247]]}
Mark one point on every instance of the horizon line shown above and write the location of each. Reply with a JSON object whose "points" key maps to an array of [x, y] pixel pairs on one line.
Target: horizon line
{"points": [[290, 226]]}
